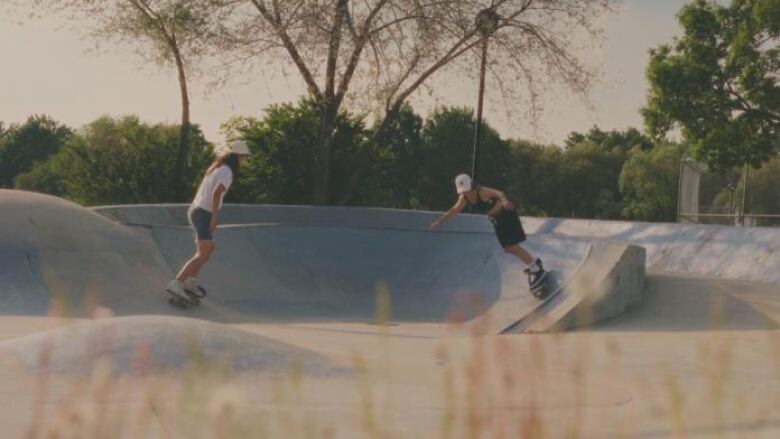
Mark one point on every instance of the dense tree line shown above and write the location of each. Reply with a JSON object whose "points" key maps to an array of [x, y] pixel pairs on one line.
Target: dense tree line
{"points": [[597, 174]]}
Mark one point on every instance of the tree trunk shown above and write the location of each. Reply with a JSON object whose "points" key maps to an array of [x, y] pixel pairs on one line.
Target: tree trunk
{"points": [[180, 183], [322, 155]]}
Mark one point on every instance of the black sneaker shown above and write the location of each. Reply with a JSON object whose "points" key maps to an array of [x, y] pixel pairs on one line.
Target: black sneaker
{"points": [[536, 279]]}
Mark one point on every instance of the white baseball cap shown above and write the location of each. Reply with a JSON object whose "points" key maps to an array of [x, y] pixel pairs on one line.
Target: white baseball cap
{"points": [[238, 147], [463, 183]]}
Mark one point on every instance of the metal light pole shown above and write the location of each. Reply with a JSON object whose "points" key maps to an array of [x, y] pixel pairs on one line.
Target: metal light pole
{"points": [[744, 194], [486, 23]]}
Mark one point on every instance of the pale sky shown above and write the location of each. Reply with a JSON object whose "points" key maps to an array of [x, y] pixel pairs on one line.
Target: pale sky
{"points": [[47, 69]]}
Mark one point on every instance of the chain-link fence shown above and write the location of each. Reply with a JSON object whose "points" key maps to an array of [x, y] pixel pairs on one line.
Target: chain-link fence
{"points": [[742, 196]]}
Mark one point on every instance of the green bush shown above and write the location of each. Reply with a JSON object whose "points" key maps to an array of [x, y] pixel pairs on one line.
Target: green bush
{"points": [[119, 161]]}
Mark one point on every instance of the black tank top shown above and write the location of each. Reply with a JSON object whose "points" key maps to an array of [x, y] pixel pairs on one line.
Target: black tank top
{"points": [[481, 206]]}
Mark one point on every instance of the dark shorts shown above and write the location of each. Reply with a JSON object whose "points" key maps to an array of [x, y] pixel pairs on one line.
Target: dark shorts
{"points": [[509, 231], [200, 220]]}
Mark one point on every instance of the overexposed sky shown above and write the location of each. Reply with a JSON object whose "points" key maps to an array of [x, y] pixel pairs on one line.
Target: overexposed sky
{"points": [[48, 68]]}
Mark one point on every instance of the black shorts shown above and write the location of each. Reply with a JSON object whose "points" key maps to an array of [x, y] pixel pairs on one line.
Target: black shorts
{"points": [[509, 231], [200, 220]]}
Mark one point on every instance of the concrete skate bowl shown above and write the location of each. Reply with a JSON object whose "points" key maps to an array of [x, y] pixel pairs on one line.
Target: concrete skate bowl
{"points": [[315, 263], [296, 264]]}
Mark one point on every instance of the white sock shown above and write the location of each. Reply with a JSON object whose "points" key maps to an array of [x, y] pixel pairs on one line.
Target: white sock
{"points": [[534, 267]]}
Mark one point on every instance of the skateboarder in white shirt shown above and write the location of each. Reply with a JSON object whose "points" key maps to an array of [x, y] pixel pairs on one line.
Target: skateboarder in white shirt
{"points": [[202, 215]]}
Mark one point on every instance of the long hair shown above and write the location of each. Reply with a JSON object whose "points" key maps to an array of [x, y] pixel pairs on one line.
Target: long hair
{"points": [[229, 159]]}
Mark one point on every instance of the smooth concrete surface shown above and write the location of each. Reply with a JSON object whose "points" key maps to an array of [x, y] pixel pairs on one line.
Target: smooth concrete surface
{"points": [[694, 357], [170, 343], [701, 360]]}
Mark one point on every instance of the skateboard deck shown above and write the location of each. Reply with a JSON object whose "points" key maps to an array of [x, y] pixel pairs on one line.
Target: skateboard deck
{"points": [[192, 299]]}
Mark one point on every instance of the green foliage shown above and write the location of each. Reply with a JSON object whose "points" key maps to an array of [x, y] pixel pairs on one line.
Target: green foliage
{"points": [[400, 162], [411, 165], [46, 177], [718, 82], [22, 146], [533, 178], [763, 192], [280, 169], [649, 181], [587, 185], [611, 140], [448, 139], [116, 161]]}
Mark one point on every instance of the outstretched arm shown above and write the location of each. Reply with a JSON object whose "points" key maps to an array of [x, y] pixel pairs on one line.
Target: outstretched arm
{"points": [[454, 210]]}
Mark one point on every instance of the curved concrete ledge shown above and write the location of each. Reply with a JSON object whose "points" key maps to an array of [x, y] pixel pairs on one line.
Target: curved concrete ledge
{"points": [[140, 344], [57, 254], [723, 252]]}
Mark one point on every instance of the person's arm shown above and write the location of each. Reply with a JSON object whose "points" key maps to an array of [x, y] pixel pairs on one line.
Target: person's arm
{"points": [[454, 210], [503, 201], [216, 200]]}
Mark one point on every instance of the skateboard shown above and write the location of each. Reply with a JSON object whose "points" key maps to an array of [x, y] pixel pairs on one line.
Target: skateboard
{"points": [[551, 288], [193, 298]]}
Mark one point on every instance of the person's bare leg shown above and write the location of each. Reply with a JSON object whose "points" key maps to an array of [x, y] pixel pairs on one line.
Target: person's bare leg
{"points": [[193, 266], [521, 253]]}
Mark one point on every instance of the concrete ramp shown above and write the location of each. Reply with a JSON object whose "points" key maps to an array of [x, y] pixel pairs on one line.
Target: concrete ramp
{"points": [[58, 257], [299, 264]]}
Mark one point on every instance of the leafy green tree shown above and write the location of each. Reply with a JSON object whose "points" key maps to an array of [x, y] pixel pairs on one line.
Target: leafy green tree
{"points": [[718, 82], [46, 177], [533, 177], [448, 135], [280, 169], [649, 182], [115, 161], [587, 183], [400, 163], [22, 146], [611, 140]]}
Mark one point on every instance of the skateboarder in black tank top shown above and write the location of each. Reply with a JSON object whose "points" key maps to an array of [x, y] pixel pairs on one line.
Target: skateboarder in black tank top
{"points": [[505, 219]]}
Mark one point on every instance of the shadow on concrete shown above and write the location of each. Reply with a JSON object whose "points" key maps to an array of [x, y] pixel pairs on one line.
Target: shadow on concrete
{"points": [[677, 303]]}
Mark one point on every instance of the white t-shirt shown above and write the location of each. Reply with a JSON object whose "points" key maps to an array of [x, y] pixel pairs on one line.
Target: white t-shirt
{"points": [[222, 175]]}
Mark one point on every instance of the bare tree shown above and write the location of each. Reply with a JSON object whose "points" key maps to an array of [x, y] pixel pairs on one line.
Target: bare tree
{"points": [[380, 52], [168, 33]]}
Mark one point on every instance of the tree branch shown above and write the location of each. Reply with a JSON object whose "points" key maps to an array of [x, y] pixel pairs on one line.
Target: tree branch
{"points": [[333, 50], [276, 22]]}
